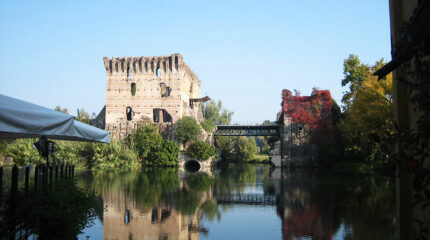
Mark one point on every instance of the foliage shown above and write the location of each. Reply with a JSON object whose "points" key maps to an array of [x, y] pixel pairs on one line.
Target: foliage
{"points": [[60, 213], [83, 116], [113, 156], [188, 129], [23, 152], [216, 113], [355, 74], [165, 155], [240, 149], [201, 150], [225, 145], [368, 113], [244, 148], [63, 110], [208, 125], [210, 210], [144, 139], [200, 182], [314, 110]]}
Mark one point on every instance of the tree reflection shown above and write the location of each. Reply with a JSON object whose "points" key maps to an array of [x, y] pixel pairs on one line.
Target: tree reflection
{"points": [[60, 212], [318, 205]]}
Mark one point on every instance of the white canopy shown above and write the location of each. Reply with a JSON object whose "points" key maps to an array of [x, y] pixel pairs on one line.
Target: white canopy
{"points": [[20, 119]]}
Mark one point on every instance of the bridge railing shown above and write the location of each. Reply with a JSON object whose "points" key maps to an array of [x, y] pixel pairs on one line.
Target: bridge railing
{"points": [[250, 123]]}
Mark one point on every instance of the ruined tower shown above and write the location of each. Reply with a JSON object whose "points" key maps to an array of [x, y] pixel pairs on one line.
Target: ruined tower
{"points": [[160, 89]]}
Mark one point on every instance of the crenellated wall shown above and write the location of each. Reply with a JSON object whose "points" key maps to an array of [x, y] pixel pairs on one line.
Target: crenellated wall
{"points": [[148, 89]]}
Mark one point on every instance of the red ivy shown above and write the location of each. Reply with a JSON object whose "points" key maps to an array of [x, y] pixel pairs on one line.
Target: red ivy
{"points": [[313, 111]]}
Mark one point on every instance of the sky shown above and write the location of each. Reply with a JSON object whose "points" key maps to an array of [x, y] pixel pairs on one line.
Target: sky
{"points": [[244, 52]]}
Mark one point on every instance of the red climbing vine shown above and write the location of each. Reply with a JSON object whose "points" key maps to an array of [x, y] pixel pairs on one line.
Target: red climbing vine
{"points": [[313, 111]]}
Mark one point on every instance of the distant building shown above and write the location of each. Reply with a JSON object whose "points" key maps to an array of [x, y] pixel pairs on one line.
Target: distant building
{"points": [[160, 89]]}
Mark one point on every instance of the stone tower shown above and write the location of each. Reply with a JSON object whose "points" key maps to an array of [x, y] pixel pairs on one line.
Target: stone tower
{"points": [[160, 89]]}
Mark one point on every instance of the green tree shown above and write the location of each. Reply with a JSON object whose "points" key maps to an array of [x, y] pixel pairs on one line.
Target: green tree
{"points": [[188, 130], [144, 139], [164, 156], [201, 150], [216, 113], [226, 147], [354, 74], [245, 148], [208, 125]]}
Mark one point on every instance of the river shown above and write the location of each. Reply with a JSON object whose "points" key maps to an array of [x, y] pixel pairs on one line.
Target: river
{"points": [[234, 202]]}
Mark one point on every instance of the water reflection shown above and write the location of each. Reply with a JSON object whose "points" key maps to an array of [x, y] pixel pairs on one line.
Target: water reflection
{"points": [[320, 205], [235, 202], [154, 204]]}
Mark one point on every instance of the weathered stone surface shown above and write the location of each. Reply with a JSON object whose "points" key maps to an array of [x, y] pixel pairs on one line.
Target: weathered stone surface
{"points": [[148, 89]]}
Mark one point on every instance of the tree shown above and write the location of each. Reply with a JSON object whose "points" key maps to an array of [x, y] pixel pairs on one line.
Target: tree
{"points": [[188, 130], [368, 113], [201, 150], [245, 148], [216, 113], [63, 110], [355, 73], [165, 155], [226, 146], [208, 125], [83, 116], [144, 139]]}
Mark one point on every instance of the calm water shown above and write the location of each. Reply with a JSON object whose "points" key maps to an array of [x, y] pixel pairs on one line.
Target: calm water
{"points": [[237, 202]]}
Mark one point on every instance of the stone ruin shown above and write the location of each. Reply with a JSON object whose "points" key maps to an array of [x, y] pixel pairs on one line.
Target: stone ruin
{"points": [[305, 122], [160, 89]]}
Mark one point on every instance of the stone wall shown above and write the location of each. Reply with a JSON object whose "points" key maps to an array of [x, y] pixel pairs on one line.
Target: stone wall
{"points": [[148, 89], [295, 142]]}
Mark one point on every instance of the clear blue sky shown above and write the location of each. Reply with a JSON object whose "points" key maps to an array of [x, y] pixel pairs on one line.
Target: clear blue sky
{"points": [[244, 52]]}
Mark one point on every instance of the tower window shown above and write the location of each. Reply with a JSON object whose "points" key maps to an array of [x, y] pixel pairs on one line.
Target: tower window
{"points": [[129, 112], [158, 72], [128, 72], [133, 89]]}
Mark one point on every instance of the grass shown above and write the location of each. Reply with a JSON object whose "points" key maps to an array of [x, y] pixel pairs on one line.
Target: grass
{"points": [[260, 158]]}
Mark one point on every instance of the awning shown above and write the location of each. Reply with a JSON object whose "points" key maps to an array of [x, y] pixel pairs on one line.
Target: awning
{"points": [[20, 119]]}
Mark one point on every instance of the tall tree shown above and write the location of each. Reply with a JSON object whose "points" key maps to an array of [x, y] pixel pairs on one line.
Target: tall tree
{"points": [[214, 112], [368, 110], [354, 74]]}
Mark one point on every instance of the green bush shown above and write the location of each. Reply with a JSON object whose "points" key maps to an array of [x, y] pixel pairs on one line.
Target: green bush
{"points": [[164, 156], [144, 139], [23, 152], [114, 155], [188, 129], [245, 148], [208, 125], [201, 150]]}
